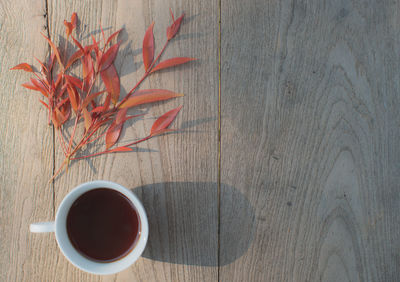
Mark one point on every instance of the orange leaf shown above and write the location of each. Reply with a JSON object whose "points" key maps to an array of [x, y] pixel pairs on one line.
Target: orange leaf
{"points": [[87, 70], [55, 50], [149, 96], [120, 149], [87, 118], [68, 28], [78, 44], [148, 47], [107, 103], [44, 104], [108, 57], [112, 36], [75, 81], [164, 121], [58, 80], [55, 120], [43, 67], [97, 109], [78, 54], [113, 133], [171, 63], [90, 98], [173, 29], [121, 115], [61, 117], [74, 19], [30, 85], [40, 86], [73, 97], [62, 102], [111, 81], [23, 66]]}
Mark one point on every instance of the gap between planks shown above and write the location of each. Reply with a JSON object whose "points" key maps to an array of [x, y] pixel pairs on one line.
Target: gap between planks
{"points": [[219, 139]]}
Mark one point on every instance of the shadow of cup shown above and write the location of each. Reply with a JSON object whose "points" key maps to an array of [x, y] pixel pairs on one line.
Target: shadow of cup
{"points": [[183, 223]]}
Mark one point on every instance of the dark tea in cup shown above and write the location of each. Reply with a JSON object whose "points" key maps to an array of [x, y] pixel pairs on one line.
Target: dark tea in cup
{"points": [[103, 225]]}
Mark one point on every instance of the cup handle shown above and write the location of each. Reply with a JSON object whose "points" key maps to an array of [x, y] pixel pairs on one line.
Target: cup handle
{"points": [[42, 227]]}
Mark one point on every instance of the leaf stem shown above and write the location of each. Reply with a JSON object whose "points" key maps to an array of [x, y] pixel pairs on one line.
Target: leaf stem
{"points": [[73, 133], [91, 155], [62, 142], [58, 171], [108, 151], [138, 141]]}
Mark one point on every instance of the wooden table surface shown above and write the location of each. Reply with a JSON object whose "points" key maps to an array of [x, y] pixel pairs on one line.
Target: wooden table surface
{"points": [[289, 166]]}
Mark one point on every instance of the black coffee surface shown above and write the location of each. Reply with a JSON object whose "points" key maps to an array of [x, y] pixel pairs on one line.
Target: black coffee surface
{"points": [[103, 225]]}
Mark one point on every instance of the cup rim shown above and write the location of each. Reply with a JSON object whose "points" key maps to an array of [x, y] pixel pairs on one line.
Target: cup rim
{"points": [[78, 259]]}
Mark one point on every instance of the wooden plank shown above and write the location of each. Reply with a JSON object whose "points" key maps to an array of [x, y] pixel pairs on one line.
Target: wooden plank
{"points": [[26, 149], [310, 132], [174, 175]]}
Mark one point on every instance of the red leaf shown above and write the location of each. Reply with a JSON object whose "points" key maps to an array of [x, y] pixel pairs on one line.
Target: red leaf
{"points": [[58, 80], [65, 109], [87, 118], [171, 63], [73, 97], [23, 66], [55, 120], [111, 81], [173, 29], [62, 102], [55, 50], [148, 47], [31, 86], [42, 65], [149, 96], [44, 104], [40, 86], [87, 70], [164, 121], [108, 57], [97, 110], [121, 115], [78, 54], [107, 103], [59, 117], [112, 36], [78, 44], [90, 98], [113, 133], [120, 149], [74, 19], [75, 81], [68, 28]]}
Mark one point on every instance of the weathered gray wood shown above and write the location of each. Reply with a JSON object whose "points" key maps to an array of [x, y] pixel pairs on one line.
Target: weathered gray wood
{"points": [[26, 149], [178, 160], [310, 130]]}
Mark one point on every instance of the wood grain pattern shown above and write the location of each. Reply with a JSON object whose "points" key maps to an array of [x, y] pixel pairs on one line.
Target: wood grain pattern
{"points": [[310, 130], [26, 149], [309, 141], [178, 160]]}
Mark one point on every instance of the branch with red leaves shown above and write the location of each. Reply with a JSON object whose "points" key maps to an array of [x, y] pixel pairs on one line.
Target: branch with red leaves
{"points": [[102, 114]]}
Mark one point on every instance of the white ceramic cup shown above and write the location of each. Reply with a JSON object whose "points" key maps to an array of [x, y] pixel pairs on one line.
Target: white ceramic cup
{"points": [[59, 226]]}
